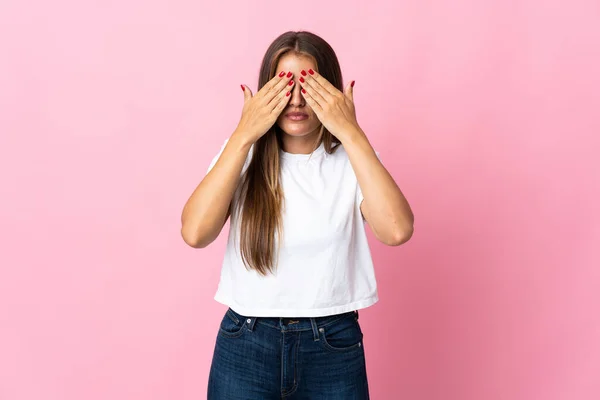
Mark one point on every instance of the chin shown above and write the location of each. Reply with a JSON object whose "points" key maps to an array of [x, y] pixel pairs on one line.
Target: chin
{"points": [[297, 130], [296, 133]]}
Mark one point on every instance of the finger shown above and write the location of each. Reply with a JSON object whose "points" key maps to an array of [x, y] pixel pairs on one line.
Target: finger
{"points": [[310, 100], [276, 84], [247, 93], [316, 93], [349, 91], [324, 83], [281, 101], [287, 83], [271, 84]]}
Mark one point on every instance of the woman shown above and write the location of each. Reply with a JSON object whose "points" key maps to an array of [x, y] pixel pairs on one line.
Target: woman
{"points": [[293, 176]]}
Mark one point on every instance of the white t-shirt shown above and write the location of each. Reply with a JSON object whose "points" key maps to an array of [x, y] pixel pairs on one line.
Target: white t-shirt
{"points": [[324, 265]]}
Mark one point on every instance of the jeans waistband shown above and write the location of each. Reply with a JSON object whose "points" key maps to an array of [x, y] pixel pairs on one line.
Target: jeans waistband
{"points": [[292, 324]]}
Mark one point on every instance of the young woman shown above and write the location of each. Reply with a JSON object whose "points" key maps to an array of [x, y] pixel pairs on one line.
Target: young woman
{"points": [[299, 179]]}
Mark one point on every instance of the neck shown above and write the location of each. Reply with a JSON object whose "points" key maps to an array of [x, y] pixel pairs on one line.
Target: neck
{"points": [[300, 144]]}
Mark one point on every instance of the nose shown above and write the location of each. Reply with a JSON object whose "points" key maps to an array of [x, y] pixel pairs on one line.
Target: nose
{"points": [[297, 99]]}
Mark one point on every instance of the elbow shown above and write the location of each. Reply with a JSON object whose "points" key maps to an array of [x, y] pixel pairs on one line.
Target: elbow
{"points": [[192, 239], [401, 236]]}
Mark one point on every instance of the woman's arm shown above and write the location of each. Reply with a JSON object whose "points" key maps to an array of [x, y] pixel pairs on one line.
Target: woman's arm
{"points": [[384, 206], [207, 209]]}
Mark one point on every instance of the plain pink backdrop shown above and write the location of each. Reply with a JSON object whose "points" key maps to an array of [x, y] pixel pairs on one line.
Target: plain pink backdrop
{"points": [[485, 112]]}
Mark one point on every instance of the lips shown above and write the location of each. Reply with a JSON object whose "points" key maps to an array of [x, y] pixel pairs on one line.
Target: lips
{"points": [[296, 116]]}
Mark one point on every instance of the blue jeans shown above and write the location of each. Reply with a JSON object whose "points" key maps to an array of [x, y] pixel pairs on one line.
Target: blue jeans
{"points": [[263, 358]]}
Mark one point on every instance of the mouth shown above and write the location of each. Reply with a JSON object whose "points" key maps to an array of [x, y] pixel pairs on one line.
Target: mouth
{"points": [[296, 116]]}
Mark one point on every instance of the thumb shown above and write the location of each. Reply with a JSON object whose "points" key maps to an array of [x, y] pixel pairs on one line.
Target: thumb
{"points": [[349, 91], [247, 93]]}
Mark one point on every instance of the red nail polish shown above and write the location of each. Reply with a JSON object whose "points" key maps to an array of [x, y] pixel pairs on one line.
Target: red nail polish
{"points": [[281, 74], [310, 71], [243, 88], [291, 83], [303, 72], [289, 74], [303, 91], [287, 94], [352, 84], [302, 79]]}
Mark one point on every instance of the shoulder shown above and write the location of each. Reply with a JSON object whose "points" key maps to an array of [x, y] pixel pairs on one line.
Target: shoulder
{"points": [[340, 153], [220, 151]]}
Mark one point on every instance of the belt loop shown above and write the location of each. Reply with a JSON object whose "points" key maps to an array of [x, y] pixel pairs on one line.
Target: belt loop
{"points": [[315, 330], [356, 312]]}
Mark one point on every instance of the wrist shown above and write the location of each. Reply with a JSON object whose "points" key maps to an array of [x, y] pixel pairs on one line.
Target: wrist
{"points": [[241, 139], [351, 134]]}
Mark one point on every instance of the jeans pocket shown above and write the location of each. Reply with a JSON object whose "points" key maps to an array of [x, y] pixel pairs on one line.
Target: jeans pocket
{"points": [[231, 326], [342, 335]]}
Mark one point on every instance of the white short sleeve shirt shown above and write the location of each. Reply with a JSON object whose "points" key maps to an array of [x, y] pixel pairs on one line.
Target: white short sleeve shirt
{"points": [[324, 265]]}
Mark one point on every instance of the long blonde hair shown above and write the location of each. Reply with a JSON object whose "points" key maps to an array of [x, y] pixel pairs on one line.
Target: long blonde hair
{"points": [[261, 195]]}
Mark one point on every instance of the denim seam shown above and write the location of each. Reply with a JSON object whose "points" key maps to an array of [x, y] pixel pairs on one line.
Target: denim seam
{"points": [[342, 349], [238, 333], [295, 385], [232, 316]]}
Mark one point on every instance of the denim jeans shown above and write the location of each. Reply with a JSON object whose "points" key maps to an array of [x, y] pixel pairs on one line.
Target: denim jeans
{"points": [[263, 358]]}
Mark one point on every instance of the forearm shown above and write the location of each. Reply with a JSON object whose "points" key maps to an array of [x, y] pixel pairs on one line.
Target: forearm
{"points": [[388, 213], [206, 211]]}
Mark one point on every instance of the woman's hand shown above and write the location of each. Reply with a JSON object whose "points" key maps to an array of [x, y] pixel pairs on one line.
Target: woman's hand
{"points": [[262, 110], [334, 109]]}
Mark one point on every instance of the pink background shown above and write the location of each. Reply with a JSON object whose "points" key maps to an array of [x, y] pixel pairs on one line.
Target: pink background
{"points": [[485, 112]]}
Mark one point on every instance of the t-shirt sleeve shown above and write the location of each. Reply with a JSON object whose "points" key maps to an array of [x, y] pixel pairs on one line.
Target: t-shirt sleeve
{"points": [[359, 194], [216, 157]]}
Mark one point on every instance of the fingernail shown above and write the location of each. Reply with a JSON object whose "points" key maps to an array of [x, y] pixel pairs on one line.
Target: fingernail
{"points": [[301, 79], [310, 71], [289, 74], [243, 88], [287, 94], [291, 83], [281, 74], [303, 72], [303, 91], [352, 84]]}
